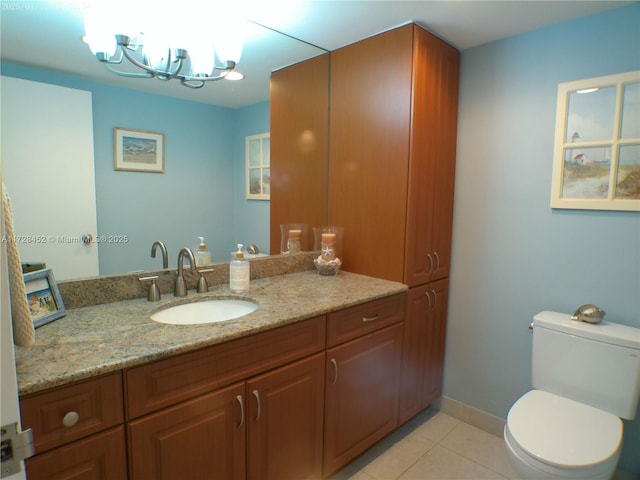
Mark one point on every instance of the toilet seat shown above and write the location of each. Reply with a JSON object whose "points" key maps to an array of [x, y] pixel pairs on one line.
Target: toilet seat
{"points": [[558, 433]]}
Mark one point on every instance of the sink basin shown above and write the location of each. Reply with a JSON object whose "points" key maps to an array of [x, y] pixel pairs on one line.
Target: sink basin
{"points": [[206, 311]]}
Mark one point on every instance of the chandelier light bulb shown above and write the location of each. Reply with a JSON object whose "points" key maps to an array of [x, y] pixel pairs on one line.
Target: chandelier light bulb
{"points": [[98, 35]]}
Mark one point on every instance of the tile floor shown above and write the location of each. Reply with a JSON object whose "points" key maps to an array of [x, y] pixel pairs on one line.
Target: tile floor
{"points": [[433, 446]]}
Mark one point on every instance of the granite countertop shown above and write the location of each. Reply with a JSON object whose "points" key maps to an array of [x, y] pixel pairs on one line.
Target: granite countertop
{"points": [[94, 340]]}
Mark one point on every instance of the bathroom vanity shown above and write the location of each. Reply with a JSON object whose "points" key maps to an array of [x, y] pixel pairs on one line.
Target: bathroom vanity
{"points": [[296, 389]]}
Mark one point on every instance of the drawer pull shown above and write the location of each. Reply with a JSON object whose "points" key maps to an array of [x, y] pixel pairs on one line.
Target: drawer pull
{"points": [[435, 298], [430, 263], [437, 260], [257, 395], [370, 319], [428, 298], [70, 419], [239, 398], [335, 369]]}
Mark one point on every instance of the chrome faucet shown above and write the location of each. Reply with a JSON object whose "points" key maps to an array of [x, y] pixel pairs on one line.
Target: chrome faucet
{"points": [[180, 289], [165, 257]]}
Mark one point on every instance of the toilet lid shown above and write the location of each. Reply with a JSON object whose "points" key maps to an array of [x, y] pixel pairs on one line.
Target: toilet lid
{"points": [[562, 432]]}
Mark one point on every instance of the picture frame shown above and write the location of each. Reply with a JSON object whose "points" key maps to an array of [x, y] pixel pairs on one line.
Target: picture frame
{"points": [[43, 297], [596, 162], [138, 150], [258, 166]]}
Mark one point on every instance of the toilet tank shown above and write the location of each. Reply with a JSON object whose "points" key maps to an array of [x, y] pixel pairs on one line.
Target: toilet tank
{"points": [[596, 364]]}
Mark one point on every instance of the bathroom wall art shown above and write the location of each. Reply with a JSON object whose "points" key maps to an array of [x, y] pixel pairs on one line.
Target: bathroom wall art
{"points": [[258, 166], [596, 163], [43, 297], [138, 150]]}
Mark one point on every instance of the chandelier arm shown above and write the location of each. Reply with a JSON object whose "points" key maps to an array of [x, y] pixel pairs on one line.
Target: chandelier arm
{"points": [[105, 58], [188, 78], [175, 74], [126, 74], [188, 83], [153, 72]]}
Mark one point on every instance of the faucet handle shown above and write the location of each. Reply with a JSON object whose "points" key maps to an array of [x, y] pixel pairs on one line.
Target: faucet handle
{"points": [[154, 291], [203, 287]]}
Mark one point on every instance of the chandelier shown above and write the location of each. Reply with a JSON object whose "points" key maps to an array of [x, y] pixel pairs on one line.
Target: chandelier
{"points": [[154, 48]]}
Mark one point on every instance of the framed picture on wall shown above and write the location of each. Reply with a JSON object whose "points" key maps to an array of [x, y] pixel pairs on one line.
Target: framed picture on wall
{"points": [[258, 166], [43, 297], [138, 150], [596, 162]]}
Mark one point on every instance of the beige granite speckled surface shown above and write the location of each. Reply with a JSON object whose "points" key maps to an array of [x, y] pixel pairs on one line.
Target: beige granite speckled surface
{"points": [[103, 338]]}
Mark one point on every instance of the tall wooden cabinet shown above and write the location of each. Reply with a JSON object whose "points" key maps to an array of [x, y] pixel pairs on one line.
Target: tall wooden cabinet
{"points": [[393, 122]]}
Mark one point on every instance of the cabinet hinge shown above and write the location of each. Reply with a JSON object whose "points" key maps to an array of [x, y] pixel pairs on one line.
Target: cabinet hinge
{"points": [[16, 446]]}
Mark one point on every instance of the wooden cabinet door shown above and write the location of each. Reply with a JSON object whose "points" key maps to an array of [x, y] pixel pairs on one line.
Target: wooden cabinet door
{"points": [[423, 352], [434, 337], [203, 438], [362, 390], [285, 422], [98, 457], [432, 159]]}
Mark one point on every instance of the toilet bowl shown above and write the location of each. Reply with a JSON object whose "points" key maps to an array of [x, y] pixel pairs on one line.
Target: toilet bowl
{"points": [[552, 437]]}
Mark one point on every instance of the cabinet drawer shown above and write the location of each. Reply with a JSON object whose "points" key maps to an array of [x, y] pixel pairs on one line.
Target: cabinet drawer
{"points": [[166, 382], [85, 407], [361, 319], [99, 457]]}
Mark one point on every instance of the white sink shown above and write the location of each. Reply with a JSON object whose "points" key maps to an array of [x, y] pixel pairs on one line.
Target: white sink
{"points": [[206, 311]]}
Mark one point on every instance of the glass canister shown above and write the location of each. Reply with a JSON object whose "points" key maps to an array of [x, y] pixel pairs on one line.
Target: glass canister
{"points": [[293, 237], [328, 240]]}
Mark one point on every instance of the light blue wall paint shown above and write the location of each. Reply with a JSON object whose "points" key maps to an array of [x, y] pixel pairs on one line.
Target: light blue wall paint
{"points": [[512, 256], [252, 216], [194, 197]]}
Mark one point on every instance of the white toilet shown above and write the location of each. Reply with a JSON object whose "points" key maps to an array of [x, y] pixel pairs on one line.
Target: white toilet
{"points": [[584, 377]]}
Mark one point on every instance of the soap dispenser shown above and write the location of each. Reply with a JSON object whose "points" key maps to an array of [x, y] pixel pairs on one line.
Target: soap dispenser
{"points": [[239, 273], [203, 256]]}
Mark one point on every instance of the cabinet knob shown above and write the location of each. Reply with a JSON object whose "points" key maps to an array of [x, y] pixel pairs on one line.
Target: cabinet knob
{"points": [[70, 419]]}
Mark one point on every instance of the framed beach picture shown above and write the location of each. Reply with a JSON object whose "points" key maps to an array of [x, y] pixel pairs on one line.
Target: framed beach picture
{"points": [[138, 150], [43, 297], [596, 164], [258, 166]]}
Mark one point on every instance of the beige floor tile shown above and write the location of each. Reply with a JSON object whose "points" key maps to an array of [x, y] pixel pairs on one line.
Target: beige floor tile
{"points": [[442, 464], [430, 424], [481, 447], [390, 464]]}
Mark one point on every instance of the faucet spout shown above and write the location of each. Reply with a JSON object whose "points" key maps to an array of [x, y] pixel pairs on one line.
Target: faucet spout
{"points": [[163, 248], [180, 289]]}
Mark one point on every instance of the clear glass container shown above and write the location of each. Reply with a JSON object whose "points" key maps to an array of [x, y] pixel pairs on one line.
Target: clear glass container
{"points": [[328, 241], [293, 238]]}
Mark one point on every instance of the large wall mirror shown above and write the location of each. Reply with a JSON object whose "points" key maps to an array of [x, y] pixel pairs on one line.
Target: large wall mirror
{"points": [[202, 189]]}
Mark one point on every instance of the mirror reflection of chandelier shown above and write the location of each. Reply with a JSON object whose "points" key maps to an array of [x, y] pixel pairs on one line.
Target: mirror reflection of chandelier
{"points": [[195, 43]]}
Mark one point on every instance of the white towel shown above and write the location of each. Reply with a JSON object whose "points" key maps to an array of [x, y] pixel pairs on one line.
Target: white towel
{"points": [[24, 334]]}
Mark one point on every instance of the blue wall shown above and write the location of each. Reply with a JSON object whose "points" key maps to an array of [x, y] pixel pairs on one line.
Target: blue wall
{"points": [[197, 194], [252, 216], [512, 255]]}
